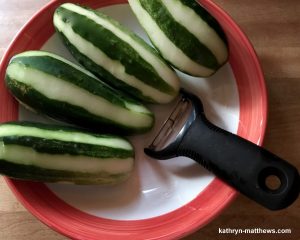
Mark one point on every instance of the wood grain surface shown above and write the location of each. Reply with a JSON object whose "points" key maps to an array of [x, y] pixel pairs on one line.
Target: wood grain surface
{"points": [[273, 27]]}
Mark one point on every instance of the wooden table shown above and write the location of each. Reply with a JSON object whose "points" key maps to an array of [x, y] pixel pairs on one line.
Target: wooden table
{"points": [[273, 26]]}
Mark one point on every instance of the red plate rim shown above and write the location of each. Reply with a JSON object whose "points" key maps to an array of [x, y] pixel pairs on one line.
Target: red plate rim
{"points": [[60, 216]]}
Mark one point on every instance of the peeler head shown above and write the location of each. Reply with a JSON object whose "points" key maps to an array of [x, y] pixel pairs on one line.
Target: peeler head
{"points": [[169, 137]]}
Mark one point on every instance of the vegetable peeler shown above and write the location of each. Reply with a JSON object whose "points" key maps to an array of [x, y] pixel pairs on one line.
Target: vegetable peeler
{"points": [[237, 161]]}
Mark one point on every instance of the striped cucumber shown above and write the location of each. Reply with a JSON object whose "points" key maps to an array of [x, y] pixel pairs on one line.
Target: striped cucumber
{"points": [[115, 54], [49, 153], [184, 33], [62, 90]]}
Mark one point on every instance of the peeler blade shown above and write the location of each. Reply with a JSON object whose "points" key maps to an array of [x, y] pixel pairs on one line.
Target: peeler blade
{"points": [[167, 139]]}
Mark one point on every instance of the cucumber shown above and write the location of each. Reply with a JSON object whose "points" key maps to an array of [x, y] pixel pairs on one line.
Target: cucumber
{"points": [[50, 153], [115, 54], [184, 33], [62, 90]]}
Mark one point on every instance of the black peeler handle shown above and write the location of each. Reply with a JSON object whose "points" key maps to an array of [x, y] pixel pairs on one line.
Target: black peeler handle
{"points": [[241, 164]]}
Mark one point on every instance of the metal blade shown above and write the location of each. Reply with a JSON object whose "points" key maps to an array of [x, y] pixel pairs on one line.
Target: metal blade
{"points": [[173, 125]]}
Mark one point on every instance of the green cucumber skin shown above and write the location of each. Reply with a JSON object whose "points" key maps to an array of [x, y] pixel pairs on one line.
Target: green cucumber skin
{"points": [[179, 35], [210, 57], [51, 146], [57, 127], [116, 49], [63, 71], [65, 111], [62, 147], [103, 74], [74, 148], [207, 17], [56, 109], [37, 174]]}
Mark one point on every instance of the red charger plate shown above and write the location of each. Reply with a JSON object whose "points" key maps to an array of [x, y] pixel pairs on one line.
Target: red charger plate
{"points": [[60, 216]]}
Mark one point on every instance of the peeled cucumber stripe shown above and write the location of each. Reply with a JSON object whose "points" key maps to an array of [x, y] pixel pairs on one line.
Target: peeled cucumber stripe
{"points": [[62, 90], [206, 17], [49, 153], [184, 33], [115, 54]]}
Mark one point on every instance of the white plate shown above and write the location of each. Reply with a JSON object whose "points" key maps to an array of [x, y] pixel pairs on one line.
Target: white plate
{"points": [[160, 195]]}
